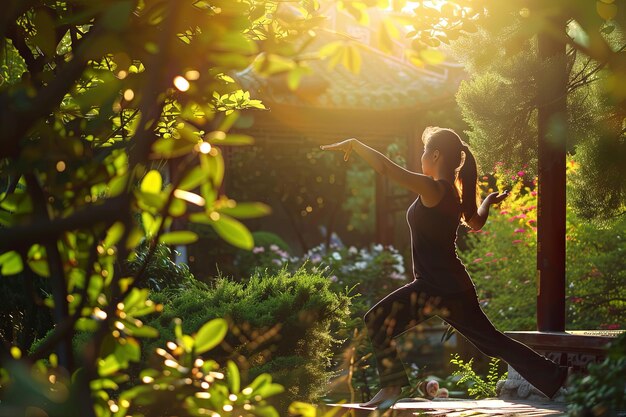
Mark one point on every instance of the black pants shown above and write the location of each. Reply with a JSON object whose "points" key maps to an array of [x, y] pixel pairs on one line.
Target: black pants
{"points": [[411, 304]]}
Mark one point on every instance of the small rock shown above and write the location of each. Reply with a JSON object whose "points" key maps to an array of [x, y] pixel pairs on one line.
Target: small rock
{"points": [[524, 390]]}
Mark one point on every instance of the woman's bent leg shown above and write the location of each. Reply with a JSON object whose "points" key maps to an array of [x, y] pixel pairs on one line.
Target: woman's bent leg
{"points": [[399, 311], [466, 316]]}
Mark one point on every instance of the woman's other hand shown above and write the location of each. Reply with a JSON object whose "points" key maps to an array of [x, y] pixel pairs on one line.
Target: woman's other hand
{"points": [[345, 146], [495, 198]]}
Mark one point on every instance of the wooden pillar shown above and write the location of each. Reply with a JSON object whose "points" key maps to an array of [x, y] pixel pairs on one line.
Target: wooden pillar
{"points": [[552, 136]]}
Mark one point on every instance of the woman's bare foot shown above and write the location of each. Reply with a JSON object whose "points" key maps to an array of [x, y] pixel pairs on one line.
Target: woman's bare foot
{"points": [[385, 394]]}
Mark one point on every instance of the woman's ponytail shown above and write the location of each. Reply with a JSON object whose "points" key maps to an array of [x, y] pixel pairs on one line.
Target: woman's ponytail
{"points": [[467, 178], [464, 168]]}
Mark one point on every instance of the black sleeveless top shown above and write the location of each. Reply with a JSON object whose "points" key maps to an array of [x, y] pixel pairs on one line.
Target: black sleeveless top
{"points": [[433, 243]]}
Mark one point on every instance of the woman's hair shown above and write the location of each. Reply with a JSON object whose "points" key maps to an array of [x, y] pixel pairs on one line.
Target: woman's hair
{"points": [[458, 158]]}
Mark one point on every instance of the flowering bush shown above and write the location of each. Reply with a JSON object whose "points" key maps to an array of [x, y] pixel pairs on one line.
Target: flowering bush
{"points": [[501, 259], [371, 272]]}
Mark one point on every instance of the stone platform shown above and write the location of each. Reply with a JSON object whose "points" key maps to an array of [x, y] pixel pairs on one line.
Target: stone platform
{"points": [[574, 348], [457, 408]]}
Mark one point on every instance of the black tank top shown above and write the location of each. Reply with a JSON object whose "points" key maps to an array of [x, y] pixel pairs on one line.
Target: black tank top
{"points": [[433, 243]]}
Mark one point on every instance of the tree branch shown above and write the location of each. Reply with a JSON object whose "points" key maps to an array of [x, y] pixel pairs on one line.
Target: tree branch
{"points": [[42, 230]]}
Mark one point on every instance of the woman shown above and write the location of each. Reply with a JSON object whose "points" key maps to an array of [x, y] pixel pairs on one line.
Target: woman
{"points": [[447, 196]]}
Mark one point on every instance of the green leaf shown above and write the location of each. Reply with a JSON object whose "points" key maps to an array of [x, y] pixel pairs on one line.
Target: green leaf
{"points": [[39, 267], [298, 408], [117, 185], [214, 166], [269, 390], [178, 328], [11, 263], [177, 207], [150, 224], [172, 148], [268, 64], [183, 237], [114, 234], [193, 178], [152, 182], [103, 383], [234, 380], [260, 381], [187, 342], [246, 210], [86, 325], [233, 231], [210, 335], [109, 365], [141, 331], [18, 203], [149, 201]]}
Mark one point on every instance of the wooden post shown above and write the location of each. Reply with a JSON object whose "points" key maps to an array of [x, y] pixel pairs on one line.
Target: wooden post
{"points": [[552, 136]]}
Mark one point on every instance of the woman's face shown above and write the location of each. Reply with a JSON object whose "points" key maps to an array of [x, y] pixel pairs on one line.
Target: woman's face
{"points": [[428, 161]]}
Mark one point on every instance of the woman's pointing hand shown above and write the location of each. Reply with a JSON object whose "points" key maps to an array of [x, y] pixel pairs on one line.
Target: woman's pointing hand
{"points": [[345, 146]]}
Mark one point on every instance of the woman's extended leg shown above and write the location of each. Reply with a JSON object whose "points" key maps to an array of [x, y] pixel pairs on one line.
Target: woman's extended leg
{"points": [[401, 310], [466, 316]]}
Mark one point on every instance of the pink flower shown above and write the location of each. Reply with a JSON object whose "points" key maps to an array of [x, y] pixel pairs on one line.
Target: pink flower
{"points": [[532, 221], [516, 241], [533, 193], [576, 300], [504, 212], [613, 326], [478, 260], [520, 230], [258, 249], [489, 254], [521, 173]]}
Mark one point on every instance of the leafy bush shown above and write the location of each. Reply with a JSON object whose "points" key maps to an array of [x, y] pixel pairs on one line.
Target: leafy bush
{"points": [[181, 381], [477, 386], [603, 391], [161, 271], [284, 323]]}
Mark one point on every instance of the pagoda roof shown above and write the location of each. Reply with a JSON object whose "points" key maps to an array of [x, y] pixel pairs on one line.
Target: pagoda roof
{"points": [[384, 82]]}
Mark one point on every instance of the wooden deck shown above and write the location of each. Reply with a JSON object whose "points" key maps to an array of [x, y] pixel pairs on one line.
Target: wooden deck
{"points": [[458, 408]]}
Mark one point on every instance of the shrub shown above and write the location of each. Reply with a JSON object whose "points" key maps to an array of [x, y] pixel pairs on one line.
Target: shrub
{"points": [[161, 270], [603, 391], [476, 385], [284, 323]]}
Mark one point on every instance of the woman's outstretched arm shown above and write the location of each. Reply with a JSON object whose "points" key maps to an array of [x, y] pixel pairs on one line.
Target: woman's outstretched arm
{"points": [[418, 183], [479, 219]]}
